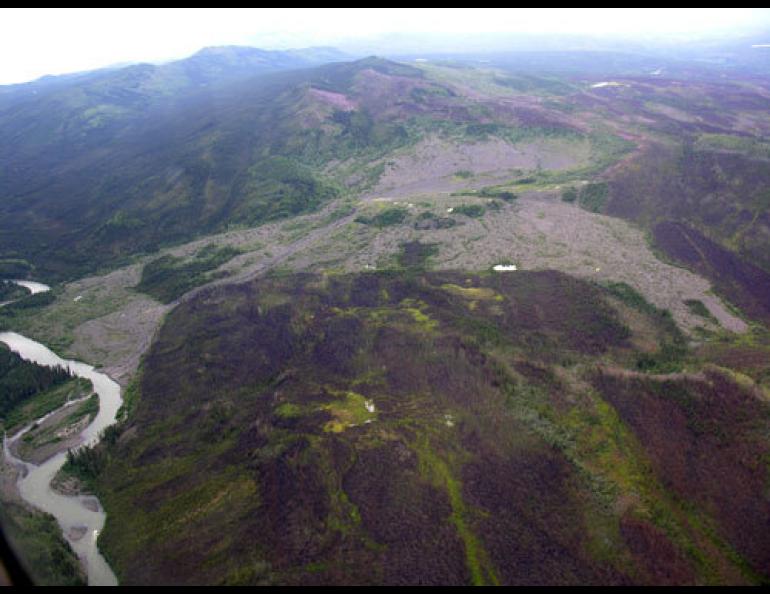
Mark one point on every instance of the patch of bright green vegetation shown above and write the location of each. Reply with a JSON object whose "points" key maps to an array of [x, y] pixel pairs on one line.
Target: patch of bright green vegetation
{"points": [[387, 217], [87, 408], [569, 195], [169, 277], [288, 410], [607, 148], [672, 354], [203, 499], [480, 331], [417, 309], [257, 573], [122, 222], [484, 293], [131, 396], [697, 307], [631, 297], [349, 409], [439, 473], [470, 210], [38, 542], [602, 442], [596, 440], [593, 197]]}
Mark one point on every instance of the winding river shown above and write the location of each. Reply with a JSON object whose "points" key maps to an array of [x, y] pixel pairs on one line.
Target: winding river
{"points": [[80, 517]]}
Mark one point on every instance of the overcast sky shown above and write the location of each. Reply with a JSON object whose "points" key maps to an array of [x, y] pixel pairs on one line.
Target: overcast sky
{"points": [[34, 42]]}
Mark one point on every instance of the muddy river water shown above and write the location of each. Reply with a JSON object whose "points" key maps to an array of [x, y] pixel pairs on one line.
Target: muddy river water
{"points": [[80, 517]]}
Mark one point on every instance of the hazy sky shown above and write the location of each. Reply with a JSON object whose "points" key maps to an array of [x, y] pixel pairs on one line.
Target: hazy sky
{"points": [[34, 42]]}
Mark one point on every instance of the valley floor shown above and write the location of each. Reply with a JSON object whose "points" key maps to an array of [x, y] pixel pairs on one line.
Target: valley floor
{"points": [[104, 320]]}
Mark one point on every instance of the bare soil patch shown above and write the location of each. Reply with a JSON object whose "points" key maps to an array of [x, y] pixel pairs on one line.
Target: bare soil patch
{"points": [[433, 164]]}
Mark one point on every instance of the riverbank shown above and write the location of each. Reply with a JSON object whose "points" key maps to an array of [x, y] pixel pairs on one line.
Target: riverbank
{"points": [[80, 518], [72, 513], [36, 537], [58, 432]]}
